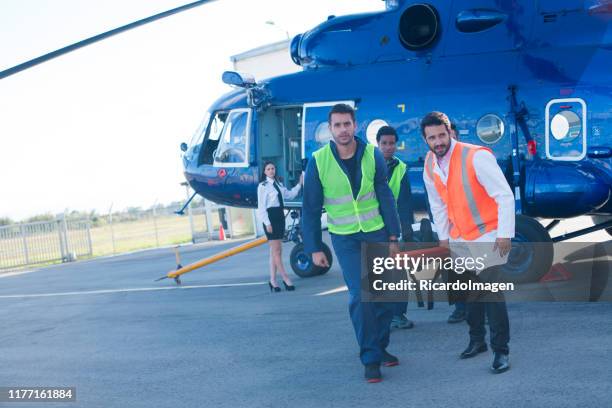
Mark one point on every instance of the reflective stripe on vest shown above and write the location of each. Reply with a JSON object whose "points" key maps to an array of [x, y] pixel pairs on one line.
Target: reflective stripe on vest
{"points": [[395, 181], [346, 215], [471, 211]]}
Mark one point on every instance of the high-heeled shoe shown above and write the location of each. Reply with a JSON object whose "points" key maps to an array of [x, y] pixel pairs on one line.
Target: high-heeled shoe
{"points": [[288, 287], [274, 288]]}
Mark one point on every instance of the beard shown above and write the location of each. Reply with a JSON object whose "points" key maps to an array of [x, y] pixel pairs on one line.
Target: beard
{"points": [[440, 151]]}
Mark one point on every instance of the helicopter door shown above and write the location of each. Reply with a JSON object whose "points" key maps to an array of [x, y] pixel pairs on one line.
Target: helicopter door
{"points": [[565, 129], [280, 142], [315, 128]]}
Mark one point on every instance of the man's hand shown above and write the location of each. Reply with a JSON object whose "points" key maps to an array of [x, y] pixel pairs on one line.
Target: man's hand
{"points": [[504, 245], [393, 249], [269, 228], [319, 259]]}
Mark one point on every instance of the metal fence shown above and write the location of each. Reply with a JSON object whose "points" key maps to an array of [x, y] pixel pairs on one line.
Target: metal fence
{"points": [[67, 240], [46, 241]]}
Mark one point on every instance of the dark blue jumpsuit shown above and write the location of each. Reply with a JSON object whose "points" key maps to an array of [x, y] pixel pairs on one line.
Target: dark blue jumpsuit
{"points": [[370, 320]]}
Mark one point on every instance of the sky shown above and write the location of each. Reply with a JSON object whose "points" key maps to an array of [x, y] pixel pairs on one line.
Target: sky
{"points": [[102, 126]]}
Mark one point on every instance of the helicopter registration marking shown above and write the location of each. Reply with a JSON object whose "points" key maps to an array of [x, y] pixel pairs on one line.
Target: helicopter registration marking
{"points": [[402, 107]]}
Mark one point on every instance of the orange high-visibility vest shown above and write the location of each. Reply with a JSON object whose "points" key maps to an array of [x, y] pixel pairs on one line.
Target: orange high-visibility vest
{"points": [[471, 211]]}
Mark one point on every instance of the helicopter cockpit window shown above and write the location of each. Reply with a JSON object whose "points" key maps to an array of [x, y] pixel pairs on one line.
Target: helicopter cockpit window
{"points": [[211, 141], [195, 144], [198, 136], [233, 141], [490, 128], [419, 26]]}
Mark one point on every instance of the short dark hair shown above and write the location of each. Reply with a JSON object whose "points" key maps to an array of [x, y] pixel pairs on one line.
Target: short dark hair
{"points": [[435, 119], [386, 131], [341, 108]]}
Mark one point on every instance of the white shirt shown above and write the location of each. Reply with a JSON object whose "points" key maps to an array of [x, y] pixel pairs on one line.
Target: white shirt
{"points": [[494, 182], [267, 197]]}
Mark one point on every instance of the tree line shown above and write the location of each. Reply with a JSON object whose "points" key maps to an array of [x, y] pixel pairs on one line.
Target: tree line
{"points": [[97, 218]]}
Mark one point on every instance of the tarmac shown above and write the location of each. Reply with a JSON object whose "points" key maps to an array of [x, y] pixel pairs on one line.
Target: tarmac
{"points": [[223, 340]]}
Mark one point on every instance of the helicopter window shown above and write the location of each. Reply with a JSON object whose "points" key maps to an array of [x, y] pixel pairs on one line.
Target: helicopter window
{"points": [[490, 128], [565, 126], [197, 137], [323, 134], [373, 129], [216, 126], [419, 26], [233, 140], [211, 141]]}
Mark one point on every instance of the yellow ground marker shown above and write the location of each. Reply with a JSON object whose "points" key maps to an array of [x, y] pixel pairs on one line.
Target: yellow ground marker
{"points": [[211, 259]]}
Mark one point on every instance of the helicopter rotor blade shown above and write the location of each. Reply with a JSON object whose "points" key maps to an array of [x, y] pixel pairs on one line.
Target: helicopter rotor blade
{"points": [[99, 37]]}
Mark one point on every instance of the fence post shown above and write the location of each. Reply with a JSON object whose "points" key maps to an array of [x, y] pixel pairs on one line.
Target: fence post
{"points": [[110, 222], [69, 254], [61, 240], [88, 226], [189, 213], [209, 225], [230, 227], [155, 224], [25, 243]]}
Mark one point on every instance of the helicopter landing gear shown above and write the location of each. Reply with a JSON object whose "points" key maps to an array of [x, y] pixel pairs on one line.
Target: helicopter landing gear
{"points": [[532, 252], [301, 262]]}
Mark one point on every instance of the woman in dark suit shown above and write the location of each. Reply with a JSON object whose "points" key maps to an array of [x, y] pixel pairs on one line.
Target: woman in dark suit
{"points": [[270, 210]]}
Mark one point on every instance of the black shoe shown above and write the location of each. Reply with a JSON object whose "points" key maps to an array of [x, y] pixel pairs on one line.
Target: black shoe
{"points": [[273, 288], [473, 349], [288, 287], [389, 360], [457, 316], [500, 364], [372, 373]]}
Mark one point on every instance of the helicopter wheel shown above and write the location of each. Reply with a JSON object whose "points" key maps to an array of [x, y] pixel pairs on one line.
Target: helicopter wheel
{"points": [[532, 252], [302, 264]]}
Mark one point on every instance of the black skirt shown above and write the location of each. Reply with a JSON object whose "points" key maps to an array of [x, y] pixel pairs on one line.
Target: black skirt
{"points": [[277, 219]]}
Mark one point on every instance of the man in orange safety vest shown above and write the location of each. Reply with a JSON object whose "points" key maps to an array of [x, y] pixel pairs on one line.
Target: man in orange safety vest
{"points": [[471, 202]]}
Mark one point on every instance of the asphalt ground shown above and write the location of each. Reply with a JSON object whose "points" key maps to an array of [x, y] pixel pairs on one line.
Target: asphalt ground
{"points": [[223, 340]]}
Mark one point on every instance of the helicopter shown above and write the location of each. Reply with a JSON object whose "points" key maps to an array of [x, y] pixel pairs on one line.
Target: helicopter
{"points": [[529, 80]]}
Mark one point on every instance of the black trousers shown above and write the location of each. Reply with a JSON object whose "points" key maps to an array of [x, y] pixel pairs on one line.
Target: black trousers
{"points": [[479, 303]]}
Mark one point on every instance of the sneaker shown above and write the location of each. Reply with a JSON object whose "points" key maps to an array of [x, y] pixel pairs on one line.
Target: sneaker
{"points": [[389, 360], [372, 373], [401, 322]]}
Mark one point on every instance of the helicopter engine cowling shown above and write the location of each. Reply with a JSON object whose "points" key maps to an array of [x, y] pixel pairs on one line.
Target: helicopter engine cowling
{"points": [[565, 189]]}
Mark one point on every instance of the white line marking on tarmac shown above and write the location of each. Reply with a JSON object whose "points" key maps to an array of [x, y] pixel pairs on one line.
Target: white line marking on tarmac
{"points": [[332, 291], [98, 292]]}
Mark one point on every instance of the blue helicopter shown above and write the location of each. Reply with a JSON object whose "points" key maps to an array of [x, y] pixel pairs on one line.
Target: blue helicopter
{"points": [[530, 80]]}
